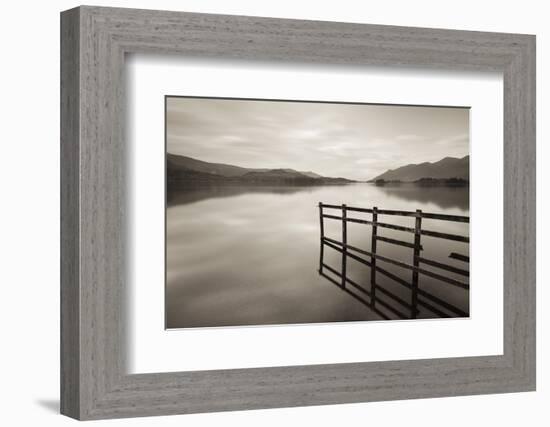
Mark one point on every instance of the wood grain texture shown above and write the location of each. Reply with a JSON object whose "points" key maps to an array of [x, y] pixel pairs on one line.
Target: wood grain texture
{"points": [[70, 292], [94, 271]]}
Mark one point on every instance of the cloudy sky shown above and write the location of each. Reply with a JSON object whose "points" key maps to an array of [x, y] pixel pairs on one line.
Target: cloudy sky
{"points": [[338, 140]]}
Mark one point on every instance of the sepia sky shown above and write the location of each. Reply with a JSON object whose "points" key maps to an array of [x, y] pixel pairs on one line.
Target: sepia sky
{"points": [[336, 140]]}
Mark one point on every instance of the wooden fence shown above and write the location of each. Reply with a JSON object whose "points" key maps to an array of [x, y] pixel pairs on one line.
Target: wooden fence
{"points": [[378, 298]]}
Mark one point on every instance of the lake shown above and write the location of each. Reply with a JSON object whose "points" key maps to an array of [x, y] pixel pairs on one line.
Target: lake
{"points": [[250, 255]]}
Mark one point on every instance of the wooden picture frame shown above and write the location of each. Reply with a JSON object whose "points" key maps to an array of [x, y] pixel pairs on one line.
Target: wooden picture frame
{"points": [[94, 382]]}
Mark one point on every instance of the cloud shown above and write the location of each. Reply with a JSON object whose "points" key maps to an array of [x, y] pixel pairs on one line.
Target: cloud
{"points": [[352, 140]]}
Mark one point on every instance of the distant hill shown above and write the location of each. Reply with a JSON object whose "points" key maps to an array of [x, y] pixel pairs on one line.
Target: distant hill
{"points": [[447, 168], [311, 174], [276, 174], [175, 161], [182, 169]]}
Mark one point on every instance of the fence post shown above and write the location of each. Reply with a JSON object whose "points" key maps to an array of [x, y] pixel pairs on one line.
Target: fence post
{"points": [[322, 243], [373, 257], [416, 255], [344, 244]]}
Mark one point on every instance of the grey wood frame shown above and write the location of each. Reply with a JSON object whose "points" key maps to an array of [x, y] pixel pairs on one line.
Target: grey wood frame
{"points": [[94, 41]]}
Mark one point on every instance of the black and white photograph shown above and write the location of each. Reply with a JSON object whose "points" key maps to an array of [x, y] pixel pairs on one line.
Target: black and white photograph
{"points": [[244, 213], [296, 212]]}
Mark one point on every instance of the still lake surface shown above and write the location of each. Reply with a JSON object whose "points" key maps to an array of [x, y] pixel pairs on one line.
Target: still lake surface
{"points": [[250, 255]]}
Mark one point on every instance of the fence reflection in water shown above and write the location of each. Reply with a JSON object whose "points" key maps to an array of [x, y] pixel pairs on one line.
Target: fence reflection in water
{"points": [[384, 302]]}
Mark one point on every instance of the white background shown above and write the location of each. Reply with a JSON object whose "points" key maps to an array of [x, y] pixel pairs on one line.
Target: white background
{"points": [[153, 349], [29, 168]]}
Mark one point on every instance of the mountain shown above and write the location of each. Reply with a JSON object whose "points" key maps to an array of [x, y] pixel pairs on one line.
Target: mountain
{"points": [[180, 169], [175, 161], [286, 174], [311, 174], [446, 168]]}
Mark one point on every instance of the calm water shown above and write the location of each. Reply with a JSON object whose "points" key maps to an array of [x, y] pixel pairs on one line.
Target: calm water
{"points": [[245, 256]]}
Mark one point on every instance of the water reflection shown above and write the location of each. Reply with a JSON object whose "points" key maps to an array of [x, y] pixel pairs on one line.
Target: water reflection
{"points": [[412, 302], [191, 194], [442, 197], [249, 255]]}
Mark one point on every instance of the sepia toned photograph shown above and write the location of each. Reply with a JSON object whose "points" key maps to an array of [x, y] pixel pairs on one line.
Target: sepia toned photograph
{"points": [[293, 212]]}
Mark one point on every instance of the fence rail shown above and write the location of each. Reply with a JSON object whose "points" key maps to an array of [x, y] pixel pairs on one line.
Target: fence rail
{"points": [[371, 297]]}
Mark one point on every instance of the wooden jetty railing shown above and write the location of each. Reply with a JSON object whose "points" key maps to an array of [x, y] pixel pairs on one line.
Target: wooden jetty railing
{"points": [[418, 297]]}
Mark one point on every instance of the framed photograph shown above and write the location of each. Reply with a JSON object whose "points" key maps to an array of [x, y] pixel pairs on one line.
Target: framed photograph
{"points": [[241, 241], [263, 213]]}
